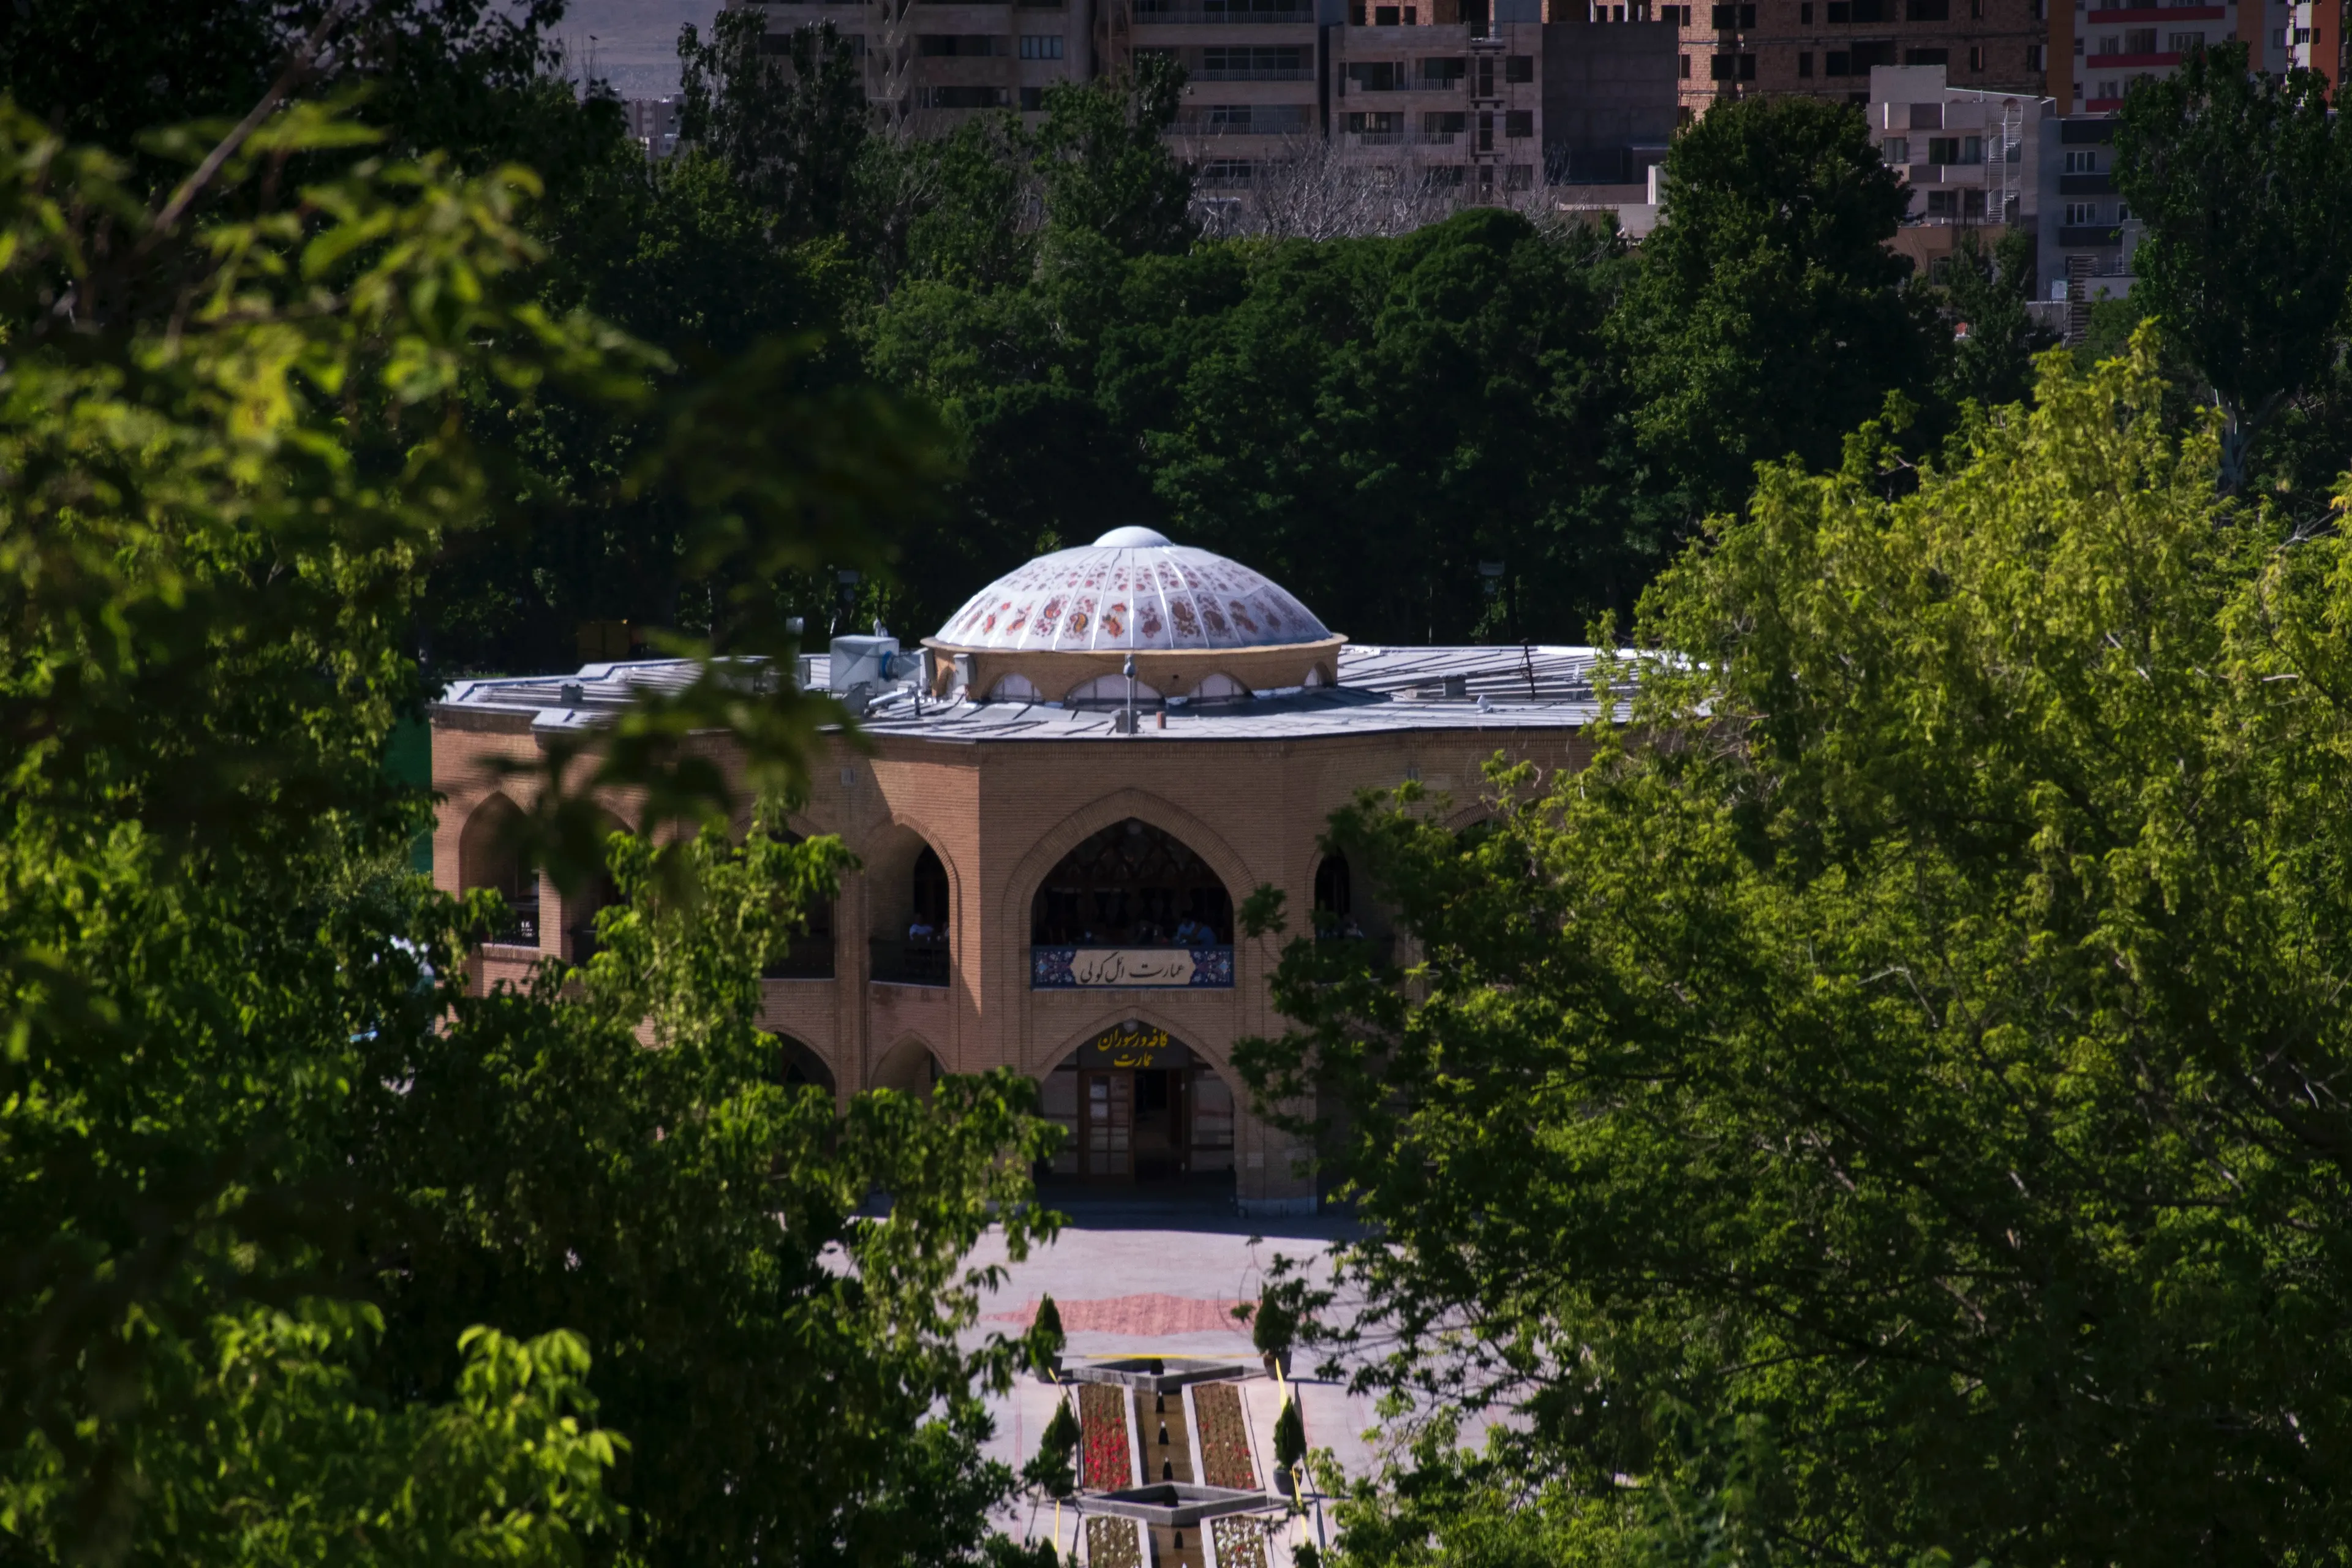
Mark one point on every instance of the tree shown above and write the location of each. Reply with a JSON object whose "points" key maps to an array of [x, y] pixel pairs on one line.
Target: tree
{"points": [[791, 130], [1911, 1046], [2244, 181], [1289, 1444], [1109, 176], [1051, 1470], [1983, 299], [1769, 318], [310, 1251]]}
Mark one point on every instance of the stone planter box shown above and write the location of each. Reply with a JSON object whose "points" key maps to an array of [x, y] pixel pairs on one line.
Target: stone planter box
{"points": [[1136, 1372], [1175, 1503]]}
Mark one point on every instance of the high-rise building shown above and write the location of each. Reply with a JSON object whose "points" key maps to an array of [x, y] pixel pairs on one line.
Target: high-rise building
{"points": [[1446, 102]]}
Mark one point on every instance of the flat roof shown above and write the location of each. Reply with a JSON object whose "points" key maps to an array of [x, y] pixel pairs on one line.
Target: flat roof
{"points": [[1381, 690]]}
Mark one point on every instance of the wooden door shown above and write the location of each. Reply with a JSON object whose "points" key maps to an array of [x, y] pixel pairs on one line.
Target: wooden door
{"points": [[1107, 1105]]}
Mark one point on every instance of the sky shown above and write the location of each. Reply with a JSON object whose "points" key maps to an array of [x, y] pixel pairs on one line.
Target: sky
{"points": [[633, 44]]}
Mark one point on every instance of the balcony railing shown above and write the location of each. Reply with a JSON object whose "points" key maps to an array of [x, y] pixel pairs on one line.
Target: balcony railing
{"points": [[1155, 967], [1404, 138], [520, 929], [899, 962], [1254, 73], [807, 957], [1222, 15]]}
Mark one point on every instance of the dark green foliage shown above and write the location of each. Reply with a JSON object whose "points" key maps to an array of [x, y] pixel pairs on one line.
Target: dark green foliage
{"points": [[790, 130], [2244, 181], [1289, 1439], [1911, 1046], [1993, 364], [1274, 1325], [1053, 1471], [311, 1255], [1111, 183], [1265, 401], [1769, 319]]}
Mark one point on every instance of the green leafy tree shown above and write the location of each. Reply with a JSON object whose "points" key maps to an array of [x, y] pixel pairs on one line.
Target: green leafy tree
{"points": [[2244, 181], [309, 1249], [1289, 1444], [1052, 1470], [1983, 299], [1768, 316], [791, 128], [1915, 1032], [1110, 177]]}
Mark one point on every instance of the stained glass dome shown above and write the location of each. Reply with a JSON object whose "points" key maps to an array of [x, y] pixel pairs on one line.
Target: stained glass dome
{"points": [[1130, 589]]}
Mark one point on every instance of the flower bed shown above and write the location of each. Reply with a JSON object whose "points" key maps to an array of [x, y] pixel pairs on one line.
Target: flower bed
{"points": [[1224, 1436], [1103, 1438], [1113, 1543], [1240, 1542]]}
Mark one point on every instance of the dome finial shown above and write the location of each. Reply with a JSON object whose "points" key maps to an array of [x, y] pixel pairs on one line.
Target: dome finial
{"points": [[1131, 537]]}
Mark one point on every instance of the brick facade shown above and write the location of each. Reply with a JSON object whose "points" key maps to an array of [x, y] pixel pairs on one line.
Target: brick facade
{"points": [[999, 815]]}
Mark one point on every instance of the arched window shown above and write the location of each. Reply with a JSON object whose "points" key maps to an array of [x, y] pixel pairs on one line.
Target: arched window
{"points": [[1014, 688], [1334, 895], [1219, 687], [1131, 885], [797, 1064], [931, 891], [487, 857], [1110, 688]]}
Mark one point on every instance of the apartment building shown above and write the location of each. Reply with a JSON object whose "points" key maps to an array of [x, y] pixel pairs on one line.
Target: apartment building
{"points": [[931, 63], [1828, 48], [1444, 100], [1252, 73], [2112, 46], [652, 124]]}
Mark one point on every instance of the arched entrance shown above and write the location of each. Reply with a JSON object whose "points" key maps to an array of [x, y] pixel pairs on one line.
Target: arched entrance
{"points": [[1132, 885], [488, 857], [1136, 1105], [797, 1064]]}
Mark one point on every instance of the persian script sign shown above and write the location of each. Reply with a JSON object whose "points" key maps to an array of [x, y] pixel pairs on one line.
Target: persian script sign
{"points": [[1056, 968], [1142, 1046]]}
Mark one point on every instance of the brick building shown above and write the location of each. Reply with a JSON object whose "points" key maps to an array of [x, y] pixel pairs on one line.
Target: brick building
{"points": [[1050, 860]]}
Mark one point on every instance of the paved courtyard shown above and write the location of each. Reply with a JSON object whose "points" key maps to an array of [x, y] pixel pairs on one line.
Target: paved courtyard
{"points": [[1143, 1277]]}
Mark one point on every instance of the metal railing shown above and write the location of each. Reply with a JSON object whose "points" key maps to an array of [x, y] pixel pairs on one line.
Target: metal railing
{"points": [[1222, 15], [1254, 73], [520, 929], [897, 961], [1404, 138], [804, 958]]}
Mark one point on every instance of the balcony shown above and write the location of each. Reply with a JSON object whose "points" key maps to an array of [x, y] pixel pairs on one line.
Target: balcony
{"points": [[2122, 14], [520, 929], [1154, 968], [1404, 138], [2127, 62], [900, 962], [1254, 73], [2085, 184], [2098, 234], [1223, 16], [804, 958]]}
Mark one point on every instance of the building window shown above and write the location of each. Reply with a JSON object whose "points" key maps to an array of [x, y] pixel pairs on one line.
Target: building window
{"points": [[967, 98], [2080, 214], [1032, 100], [1376, 76], [1719, 68], [1926, 57], [1486, 133], [1837, 62], [1442, 70], [1519, 123], [1519, 177], [1804, 62], [1976, 57], [2084, 163], [1748, 68], [1448, 124], [2140, 41], [1805, 13], [2186, 42], [1041, 47], [1943, 203], [2033, 57], [1686, 67], [1896, 150], [1385, 15], [1519, 68], [1928, 10], [2123, 212]]}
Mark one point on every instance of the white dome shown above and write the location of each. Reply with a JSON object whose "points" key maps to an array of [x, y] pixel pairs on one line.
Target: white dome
{"points": [[1130, 589]]}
